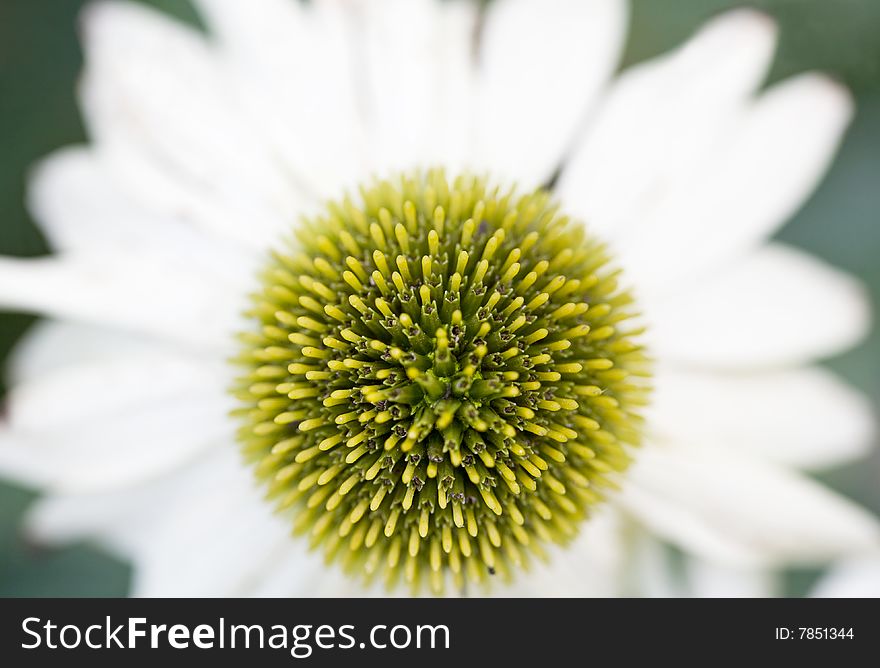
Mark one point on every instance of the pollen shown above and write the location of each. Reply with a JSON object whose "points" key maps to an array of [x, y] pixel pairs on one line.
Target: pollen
{"points": [[443, 378]]}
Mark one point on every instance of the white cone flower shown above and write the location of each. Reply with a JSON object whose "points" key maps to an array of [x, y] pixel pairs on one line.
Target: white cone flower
{"points": [[204, 151]]}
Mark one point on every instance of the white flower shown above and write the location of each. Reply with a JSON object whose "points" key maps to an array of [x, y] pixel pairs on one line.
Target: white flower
{"points": [[205, 148]]}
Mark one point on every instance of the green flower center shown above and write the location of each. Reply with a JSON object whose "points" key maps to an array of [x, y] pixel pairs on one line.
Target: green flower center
{"points": [[441, 380]]}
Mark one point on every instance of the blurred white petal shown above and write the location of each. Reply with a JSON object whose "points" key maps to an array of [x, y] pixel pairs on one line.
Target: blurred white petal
{"points": [[96, 390], [82, 209], [52, 345], [293, 65], [128, 446], [749, 185], [775, 307], [418, 79], [119, 292], [216, 542], [159, 108], [301, 573], [799, 417], [675, 523], [661, 118], [542, 65], [124, 518], [648, 570], [699, 497], [857, 577], [592, 566], [708, 580]]}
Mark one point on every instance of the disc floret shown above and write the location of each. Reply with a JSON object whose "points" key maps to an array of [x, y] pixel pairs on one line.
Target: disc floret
{"points": [[443, 380]]}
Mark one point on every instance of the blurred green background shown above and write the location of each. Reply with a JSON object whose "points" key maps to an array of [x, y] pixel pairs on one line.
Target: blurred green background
{"points": [[39, 63]]}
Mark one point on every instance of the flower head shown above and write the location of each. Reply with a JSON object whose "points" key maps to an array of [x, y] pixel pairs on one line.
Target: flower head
{"points": [[442, 378]]}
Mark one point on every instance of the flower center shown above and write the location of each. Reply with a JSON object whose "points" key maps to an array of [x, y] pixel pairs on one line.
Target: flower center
{"points": [[442, 379]]}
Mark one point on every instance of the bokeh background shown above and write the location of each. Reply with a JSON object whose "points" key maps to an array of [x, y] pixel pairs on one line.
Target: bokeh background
{"points": [[40, 60]]}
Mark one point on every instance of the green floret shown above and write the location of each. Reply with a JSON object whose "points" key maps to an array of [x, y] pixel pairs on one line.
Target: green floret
{"points": [[442, 379]]}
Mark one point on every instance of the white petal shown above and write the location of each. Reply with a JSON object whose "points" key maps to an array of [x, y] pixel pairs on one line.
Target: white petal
{"points": [[776, 306], [293, 65], [18, 463], [122, 448], [768, 515], [660, 118], [749, 185], [159, 108], [215, 543], [199, 530], [304, 572], [542, 64], [126, 518], [802, 417], [119, 521], [124, 416], [676, 523], [92, 390], [851, 578], [419, 78], [649, 570], [52, 345], [136, 296], [591, 566], [708, 580], [82, 208], [300, 572]]}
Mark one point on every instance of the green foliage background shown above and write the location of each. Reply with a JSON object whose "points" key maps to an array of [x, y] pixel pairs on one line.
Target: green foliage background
{"points": [[39, 63]]}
